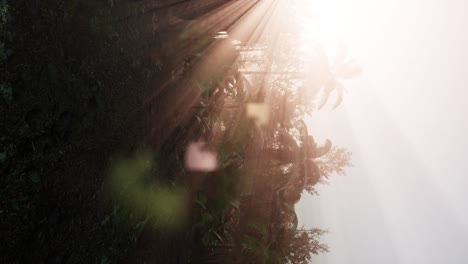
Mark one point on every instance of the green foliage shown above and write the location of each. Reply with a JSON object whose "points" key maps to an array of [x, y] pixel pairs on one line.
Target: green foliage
{"points": [[70, 8], [298, 246], [5, 35], [100, 17], [3, 156], [258, 244], [102, 22], [5, 53], [334, 162], [132, 189], [140, 197], [4, 14], [213, 222], [6, 91]]}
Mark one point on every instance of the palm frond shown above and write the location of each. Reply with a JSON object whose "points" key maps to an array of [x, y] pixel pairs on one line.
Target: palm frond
{"points": [[324, 149], [340, 93], [329, 87]]}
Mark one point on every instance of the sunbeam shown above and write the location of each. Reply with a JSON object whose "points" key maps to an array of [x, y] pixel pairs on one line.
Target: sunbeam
{"points": [[233, 131]]}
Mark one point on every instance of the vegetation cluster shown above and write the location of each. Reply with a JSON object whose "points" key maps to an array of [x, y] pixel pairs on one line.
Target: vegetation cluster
{"points": [[99, 102]]}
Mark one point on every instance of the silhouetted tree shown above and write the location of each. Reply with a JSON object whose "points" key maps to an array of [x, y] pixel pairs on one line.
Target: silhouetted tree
{"points": [[298, 246], [342, 68]]}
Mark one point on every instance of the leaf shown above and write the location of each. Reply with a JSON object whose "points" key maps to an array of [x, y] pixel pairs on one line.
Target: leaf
{"points": [[199, 120], [201, 201], [328, 89], [218, 236], [324, 149], [340, 93], [207, 219], [141, 223]]}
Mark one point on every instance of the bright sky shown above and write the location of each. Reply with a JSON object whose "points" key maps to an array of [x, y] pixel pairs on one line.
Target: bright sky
{"points": [[406, 122]]}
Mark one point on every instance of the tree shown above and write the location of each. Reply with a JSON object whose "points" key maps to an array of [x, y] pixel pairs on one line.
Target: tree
{"points": [[302, 156], [342, 68], [298, 246], [335, 161]]}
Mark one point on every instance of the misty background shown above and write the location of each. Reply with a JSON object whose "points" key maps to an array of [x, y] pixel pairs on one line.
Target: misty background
{"points": [[404, 201]]}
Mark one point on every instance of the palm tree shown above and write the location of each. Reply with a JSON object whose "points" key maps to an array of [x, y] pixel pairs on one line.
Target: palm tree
{"points": [[304, 170], [342, 68]]}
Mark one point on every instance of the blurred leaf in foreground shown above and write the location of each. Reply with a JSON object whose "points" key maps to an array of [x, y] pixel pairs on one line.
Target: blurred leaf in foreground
{"points": [[132, 183]]}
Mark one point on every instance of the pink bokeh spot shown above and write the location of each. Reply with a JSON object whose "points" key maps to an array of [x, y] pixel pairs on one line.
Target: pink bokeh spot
{"points": [[198, 158]]}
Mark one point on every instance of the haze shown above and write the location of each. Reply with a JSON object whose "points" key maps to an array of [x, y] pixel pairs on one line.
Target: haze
{"points": [[404, 201]]}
